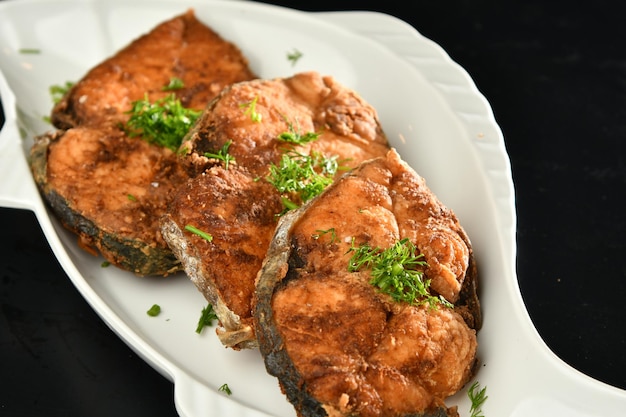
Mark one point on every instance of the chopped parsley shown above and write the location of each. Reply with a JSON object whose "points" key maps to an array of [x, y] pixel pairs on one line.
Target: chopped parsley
{"points": [[319, 233], [394, 272], [164, 122], [131, 197], [222, 154], [226, 389], [250, 110], [301, 177], [477, 397], [293, 56], [58, 91], [295, 137], [204, 235], [154, 311], [174, 84], [206, 318], [29, 51]]}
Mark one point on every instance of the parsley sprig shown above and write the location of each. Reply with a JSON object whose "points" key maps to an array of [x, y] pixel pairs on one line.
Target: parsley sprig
{"points": [[204, 235], [174, 84], [222, 154], [225, 389], [477, 397], [293, 56], [164, 122], [57, 91], [206, 318], [301, 177], [250, 110], [293, 135], [319, 233], [395, 272]]}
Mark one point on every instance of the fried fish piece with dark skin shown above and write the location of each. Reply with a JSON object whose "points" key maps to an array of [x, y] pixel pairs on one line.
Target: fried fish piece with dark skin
{"points": [[111, 190], [239, 215], [237, 206], [338, 345], [107, 186]]}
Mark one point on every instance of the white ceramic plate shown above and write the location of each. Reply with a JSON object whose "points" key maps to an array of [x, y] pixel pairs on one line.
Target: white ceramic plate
{"points": [[430, 110]]}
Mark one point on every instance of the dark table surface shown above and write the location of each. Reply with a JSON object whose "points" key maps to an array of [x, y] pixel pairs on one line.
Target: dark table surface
{"points": [[555, 76]]}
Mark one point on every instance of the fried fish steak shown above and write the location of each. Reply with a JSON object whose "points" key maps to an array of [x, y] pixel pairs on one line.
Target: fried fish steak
{"points": [[182, 47], [111, 189], [339, 346], [237, 206]]}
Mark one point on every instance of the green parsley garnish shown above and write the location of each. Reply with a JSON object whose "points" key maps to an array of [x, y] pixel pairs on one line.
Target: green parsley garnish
{"points": [[174, 84], [164, 122], [154, 311], [226, 389], [204, 235], [29, 51], [251, 110], [58, 91], [206, 318], [295, 137], [293, 56], [320, 233], [222, 154], [394, 272], [477, 399], [105, 264], [131, 197], [302, 177]]}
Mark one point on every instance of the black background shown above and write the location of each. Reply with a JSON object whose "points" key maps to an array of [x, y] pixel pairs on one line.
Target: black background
{"points": [[555, 76]]}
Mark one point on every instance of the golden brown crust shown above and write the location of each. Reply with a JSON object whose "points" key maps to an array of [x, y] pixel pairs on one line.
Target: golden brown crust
{"points": [[182, 47], [118, 186], [240, 215], [335, 342], [238, 206], [111, 189], [348, 125]]}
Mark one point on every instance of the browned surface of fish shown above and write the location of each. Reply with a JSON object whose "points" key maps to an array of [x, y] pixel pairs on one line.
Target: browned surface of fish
{"points": [[240, 215], [238, 207], [182, 47], [111, 189], [310, 102], [337, 345]]}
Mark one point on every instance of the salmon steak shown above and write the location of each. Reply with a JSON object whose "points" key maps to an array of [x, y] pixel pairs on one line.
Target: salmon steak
{"points": [[236, 205], [339, 342], [106, 185]]}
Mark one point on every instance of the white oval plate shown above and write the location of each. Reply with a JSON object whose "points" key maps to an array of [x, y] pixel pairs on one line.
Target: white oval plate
{"points": [[430, 110]]}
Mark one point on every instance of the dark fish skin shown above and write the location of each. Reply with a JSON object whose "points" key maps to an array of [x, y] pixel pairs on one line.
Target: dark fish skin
{"points": [[277, 360], [240, 215], [339, 347], [82, 210]]}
